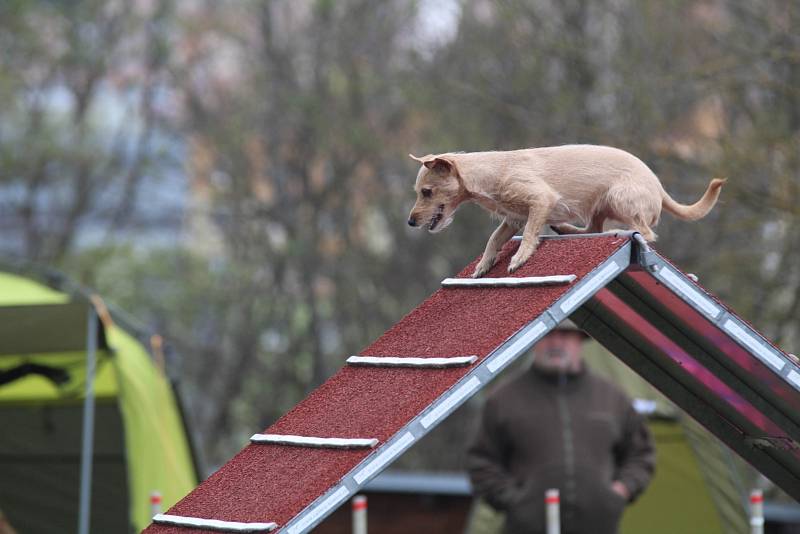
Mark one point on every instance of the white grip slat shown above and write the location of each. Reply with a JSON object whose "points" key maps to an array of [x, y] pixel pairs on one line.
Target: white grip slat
{"points": [[212, 524], [410, 361], [309, 441], [524, 281]]}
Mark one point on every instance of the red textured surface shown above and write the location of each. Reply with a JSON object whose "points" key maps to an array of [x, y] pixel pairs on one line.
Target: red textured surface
{"points": [[275, 483], [465, 321], [264, 483], [367, 402]]}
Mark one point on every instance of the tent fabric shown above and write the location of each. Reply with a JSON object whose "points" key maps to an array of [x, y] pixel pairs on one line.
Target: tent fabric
{"points": [[19, 291], [135, 402], [37, 389], [21, 328], [40, 467], [159, 454]]}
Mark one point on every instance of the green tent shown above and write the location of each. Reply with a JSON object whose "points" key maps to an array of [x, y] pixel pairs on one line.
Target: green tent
{"points": [[696, 488], [49, 330]]}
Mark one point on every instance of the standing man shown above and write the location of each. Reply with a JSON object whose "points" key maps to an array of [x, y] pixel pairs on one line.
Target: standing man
{"points": [[559, 426]]}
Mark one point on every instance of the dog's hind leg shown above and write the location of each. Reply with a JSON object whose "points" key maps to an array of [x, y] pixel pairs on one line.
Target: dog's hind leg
{"points": [[502, 233], [595, 227], [645, 230], [639, 209], [567, 229], [636, 205], [638, 225]]}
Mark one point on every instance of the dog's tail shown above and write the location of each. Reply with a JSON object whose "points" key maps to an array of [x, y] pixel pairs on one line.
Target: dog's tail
{"points": [[699, 209]]}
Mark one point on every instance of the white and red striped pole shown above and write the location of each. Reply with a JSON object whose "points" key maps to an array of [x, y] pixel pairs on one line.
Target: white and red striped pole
{"points": [[552, 502], [155, 502], [360, 514], [756, 512]]}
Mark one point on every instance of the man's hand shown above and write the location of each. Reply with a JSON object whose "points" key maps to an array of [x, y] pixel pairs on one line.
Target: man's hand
{"points": [[620, 489]]}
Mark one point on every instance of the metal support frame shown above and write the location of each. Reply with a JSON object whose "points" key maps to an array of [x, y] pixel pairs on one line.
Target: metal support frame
{"points": [[701, 408], [87, 436], [709, 362]]}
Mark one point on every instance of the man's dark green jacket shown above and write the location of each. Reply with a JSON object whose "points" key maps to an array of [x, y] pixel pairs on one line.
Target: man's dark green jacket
{"points": [[573, 432]]}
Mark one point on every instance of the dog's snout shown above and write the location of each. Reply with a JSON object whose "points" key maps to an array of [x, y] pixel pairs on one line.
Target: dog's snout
{"points": [[412, 221]]}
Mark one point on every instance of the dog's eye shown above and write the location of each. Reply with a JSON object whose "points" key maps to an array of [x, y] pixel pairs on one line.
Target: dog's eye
{"points": [[427, 192]]}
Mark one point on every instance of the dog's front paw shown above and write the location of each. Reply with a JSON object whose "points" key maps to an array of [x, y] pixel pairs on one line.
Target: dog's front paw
{"points": [[483, 267], [518, 259]]}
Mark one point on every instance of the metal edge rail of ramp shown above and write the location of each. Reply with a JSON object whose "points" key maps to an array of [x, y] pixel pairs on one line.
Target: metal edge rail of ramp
{"points": [[646, 311]]}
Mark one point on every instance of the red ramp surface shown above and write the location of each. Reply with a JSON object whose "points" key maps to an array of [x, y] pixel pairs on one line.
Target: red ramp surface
{"points": [[651, 315], [296, 487]]}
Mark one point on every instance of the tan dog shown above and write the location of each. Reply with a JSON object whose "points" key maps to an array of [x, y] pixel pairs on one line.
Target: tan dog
{"points": [[527, 189]]}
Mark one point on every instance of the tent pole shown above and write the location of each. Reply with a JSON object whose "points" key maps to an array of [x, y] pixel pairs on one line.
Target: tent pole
{"points": [[87, 444]]}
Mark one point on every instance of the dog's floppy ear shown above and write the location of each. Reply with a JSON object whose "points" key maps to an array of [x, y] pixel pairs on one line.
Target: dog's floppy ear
{"points": [[436, 163], [439, 165], [425, 160]]}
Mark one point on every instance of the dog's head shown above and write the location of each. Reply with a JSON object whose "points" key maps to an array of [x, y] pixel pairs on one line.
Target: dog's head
{"points": [[439, 192]]}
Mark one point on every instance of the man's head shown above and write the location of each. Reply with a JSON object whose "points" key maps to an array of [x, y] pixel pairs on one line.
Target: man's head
{"points": [[439, 192], [560, 350]]}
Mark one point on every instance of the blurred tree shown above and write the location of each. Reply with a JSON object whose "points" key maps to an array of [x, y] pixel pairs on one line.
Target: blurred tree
{"points": [[298, 147], [757, 73], [294, 119], [80, 119]]}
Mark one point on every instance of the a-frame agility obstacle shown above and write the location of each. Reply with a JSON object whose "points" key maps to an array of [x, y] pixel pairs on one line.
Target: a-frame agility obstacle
{"points": [[631, 299]]}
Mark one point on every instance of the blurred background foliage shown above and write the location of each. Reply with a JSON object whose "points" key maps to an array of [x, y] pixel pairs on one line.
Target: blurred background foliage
{"points": [[236, 172]]}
